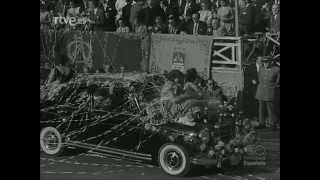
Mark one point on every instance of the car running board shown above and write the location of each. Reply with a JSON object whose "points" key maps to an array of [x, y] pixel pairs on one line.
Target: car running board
{"points": [[110, 150]]}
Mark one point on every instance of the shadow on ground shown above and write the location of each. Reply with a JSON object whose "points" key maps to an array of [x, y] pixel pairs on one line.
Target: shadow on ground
{"points": [[70, 152], [238, 171]]}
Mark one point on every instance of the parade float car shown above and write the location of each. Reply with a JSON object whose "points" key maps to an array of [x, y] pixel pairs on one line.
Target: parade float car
{"points": [[123, 117]]}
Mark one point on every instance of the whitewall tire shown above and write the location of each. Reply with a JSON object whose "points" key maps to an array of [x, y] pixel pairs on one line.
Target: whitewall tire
{"points": [[174, 160], [51, 141]]}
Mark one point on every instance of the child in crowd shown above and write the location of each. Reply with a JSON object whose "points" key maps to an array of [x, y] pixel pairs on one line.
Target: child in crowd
{"points": [[122, 27]]}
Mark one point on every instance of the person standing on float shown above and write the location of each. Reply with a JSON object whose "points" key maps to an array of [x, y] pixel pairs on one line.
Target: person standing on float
{"points": [[269, 79]]}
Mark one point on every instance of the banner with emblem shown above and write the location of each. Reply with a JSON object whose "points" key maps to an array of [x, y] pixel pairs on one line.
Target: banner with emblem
{"points": [[181, 52], [96, 49], [178, 59]]}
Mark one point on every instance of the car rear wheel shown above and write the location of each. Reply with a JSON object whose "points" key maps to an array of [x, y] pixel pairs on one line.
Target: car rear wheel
{"points": [[174, 160], [51, 141]]}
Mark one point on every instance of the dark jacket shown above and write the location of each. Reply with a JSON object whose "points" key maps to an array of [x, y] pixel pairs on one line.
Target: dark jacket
{"points": [[173, 3], [150, 15], [202, 28], [172, 7], [135, 10], [246, 19], [246, 16], [110, 14], [126, 14], [170, 11], [192, 9], [175, 30], [99, 19]]}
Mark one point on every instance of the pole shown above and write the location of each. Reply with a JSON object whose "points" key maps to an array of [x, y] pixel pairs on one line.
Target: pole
{"points": [[236, 17]]}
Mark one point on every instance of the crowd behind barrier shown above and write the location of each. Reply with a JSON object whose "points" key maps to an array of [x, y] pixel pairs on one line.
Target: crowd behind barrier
{"points": [[197, 17]]}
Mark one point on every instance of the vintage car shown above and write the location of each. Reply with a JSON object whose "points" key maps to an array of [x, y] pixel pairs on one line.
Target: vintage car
{"points": [[123, 117]]}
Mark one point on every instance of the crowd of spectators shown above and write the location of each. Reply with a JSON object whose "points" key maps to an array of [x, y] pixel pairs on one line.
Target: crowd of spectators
{"points": [[198, 17]]}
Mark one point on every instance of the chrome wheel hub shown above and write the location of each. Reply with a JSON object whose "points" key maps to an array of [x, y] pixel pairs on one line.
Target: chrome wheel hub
{"points": [[173, 160], [51, 141]]}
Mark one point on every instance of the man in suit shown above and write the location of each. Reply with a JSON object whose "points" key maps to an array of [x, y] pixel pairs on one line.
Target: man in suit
{"points": [[188, 8], [179, 6], [96, 16], [110, 13], [135, 10], [172, 3], [83, 4], [151, 12], [172, 27], [246, 18], [171, 6], [168, 10], [196, 27], [126, 13], [275, 19]]}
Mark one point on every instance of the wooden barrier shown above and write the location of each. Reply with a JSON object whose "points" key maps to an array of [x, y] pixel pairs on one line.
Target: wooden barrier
{"points": [[226, 51], [226, 64]]}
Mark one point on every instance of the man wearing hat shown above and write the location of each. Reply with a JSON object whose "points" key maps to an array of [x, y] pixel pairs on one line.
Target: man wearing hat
{"points": [[269, 79]]}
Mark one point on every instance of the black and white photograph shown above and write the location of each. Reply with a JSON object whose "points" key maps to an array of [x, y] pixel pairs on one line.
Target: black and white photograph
{"points": [[160, 89]]}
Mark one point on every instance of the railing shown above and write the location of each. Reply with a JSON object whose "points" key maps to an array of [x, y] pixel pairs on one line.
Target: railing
{"points": [[274, 38], [262, 44], [226, 53], [226, 64]]}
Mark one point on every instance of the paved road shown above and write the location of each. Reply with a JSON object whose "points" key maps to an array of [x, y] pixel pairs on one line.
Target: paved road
{"points": [[93, 166]]}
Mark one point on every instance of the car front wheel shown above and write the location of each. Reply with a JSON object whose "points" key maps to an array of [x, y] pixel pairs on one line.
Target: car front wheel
{"points": [[174, 160], [51, 141]]}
